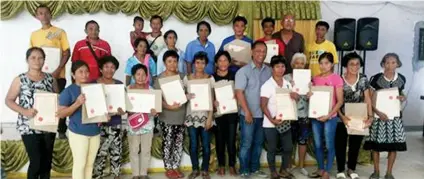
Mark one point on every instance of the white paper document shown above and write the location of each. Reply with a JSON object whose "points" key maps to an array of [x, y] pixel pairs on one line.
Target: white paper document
{"points": [[301, 79], [271, 50], [173, 92], [388, 103], [141, 103], [115, 97], [95, 100], [201, 100], [52, 60], [319, 104], [225, 97], [356, 123], [286, 107], [46, 105]]}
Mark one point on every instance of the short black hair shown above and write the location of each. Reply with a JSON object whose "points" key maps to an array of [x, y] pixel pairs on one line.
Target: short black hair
{"points": [[266, 20], [138, 18], [43, 6], [108, 59], [30, 50], [201, 55], [278, 59], [394, 55], [222, 53], [256, 43], [137, 67], [206, 24], [351, 56], [329, 56], [240, 18], [156, 17], [91, 22], [322, 23], [139, 40], [169, 32], [170, 53]]}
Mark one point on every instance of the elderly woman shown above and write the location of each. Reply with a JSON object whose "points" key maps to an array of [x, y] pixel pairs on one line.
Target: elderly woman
{"points": [[171, 42], [387, 135], [301, 129]]}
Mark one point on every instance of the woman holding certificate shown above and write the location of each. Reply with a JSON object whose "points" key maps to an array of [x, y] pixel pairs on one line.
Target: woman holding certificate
{"points": [[355, 90], [276, 129], [110, 134], [199, 122], [84, 139], [324, 127], [38, 144], [171, 120], [387, 134]]}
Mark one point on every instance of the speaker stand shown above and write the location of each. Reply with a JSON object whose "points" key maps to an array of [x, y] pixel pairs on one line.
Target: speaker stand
{"points": [[341, 53], [365, 62]]}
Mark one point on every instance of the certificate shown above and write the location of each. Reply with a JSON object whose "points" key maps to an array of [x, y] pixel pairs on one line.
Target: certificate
{"points": [[224, 92], [273, 41], [286, 106], [52, 60], [239, 50], [201, 89], [321, 101], [95, 103], [46, 104], [172, 90], [301, 79], [357, 113], [386, 102], [142, 101], [115, 97], [271, 50]]}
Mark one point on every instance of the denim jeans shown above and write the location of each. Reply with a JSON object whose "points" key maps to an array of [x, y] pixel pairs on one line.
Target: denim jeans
{"points": [[205, 136], [252, 139], [324, 130]]}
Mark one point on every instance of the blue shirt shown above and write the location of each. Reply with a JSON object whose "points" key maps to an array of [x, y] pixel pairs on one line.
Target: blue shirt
{"points": [[195, 46], [68, 97], [229, 39], [250, 79], [132, 61], [181, 62]]}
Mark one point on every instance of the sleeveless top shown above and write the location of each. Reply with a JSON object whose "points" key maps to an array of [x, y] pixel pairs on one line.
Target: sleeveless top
{"points": [[26, 99]]}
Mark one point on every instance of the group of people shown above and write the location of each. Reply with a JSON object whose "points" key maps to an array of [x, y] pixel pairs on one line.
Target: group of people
{"points": [[156, 56]]}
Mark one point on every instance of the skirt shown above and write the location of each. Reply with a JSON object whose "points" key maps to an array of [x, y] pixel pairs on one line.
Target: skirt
{"points": [[386, 136]]}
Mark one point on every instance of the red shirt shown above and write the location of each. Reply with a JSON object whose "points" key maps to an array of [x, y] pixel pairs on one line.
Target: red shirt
{"points": [[281, 45], [83, 52]]}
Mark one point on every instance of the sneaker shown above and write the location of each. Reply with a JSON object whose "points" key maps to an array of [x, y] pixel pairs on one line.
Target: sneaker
{"points": [[354, 175], [244, 175], [389, 176], [341, 176], [375, 175], [303, 171], [260, 174]]}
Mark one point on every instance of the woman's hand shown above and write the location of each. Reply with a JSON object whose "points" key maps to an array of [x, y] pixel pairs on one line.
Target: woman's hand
{"points": [[276, 121], [323, 118], [208, 124], [345, 121], [382, 116], [80, 100], [401, 98], [294, 95], [121, 112], [31, 112], [309, 94], [368, 122], [190, 96], [153, 112], [174, 106]]}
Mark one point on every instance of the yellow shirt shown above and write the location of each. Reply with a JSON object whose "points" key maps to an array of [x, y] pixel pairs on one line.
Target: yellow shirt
{"points": [[51, 37], [314, 50]]}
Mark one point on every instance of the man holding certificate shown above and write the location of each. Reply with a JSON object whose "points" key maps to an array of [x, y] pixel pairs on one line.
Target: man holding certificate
{"points": [[276, 128], [387, 134], [249, 79]]}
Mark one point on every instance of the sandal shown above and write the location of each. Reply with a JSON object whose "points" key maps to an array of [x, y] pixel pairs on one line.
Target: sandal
{"points": [[315, 174], [205, 175], [194, 174], [179, 173], [233, 171], [221, 171]]}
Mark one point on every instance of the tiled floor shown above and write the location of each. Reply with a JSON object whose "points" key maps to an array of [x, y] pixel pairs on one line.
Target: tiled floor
{"points": [[409, 165]]}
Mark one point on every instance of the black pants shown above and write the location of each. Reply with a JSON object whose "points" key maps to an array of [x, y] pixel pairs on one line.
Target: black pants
{"points": [[61, 83], [225, 137], [273, 138], [355, 142], [39, 148]]}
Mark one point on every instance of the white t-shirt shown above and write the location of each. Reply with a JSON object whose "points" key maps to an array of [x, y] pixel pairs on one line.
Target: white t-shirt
{"points": [[157, 45], [268, 91]]}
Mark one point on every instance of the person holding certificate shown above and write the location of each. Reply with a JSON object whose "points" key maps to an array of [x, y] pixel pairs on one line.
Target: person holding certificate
{"points": [[324, 127], [277, 130], [249, 80], [226, 129], [387, 135], [171, 120], [39, 145], [268, 26], [301, 129], [141, 135], [110, 134], [355, 90], [84, 139], [199, 122]]}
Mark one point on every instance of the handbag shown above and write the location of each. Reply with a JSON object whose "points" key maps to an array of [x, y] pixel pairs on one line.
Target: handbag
{"points": [[138, 120]]}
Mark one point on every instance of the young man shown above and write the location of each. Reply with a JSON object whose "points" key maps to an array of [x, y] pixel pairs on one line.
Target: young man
{"points": [[249, 80], [321, 45], [239, 26], [268, 26], [155, 38], [138, 32], [293, 41], [52, 37], [91, 49]]}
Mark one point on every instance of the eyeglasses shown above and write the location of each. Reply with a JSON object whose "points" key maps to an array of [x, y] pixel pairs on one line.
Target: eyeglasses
{"points": [[288, 20]]}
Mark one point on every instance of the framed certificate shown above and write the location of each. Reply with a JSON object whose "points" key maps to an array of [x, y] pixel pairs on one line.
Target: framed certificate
{"points": [[94, 109], [115, 97], [357, 113], [224, 93], [321, 101], [52, 61], [142, 101], [239, 50], [172, 90], [286, 106], [272, 50], [201, 88], [386, 101], [301, 79], [46, 104]]}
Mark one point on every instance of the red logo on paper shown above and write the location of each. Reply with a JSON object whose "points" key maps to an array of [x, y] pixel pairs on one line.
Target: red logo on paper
{"points": [[110, 107], [195, 105], [223, 107], [281, 115], [274, 48], [314, 112], [40, 118], [390, 97], [92, 111]]}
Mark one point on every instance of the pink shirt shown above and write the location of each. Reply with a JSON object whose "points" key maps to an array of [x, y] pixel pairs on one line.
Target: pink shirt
{"points": [[332, 80]]}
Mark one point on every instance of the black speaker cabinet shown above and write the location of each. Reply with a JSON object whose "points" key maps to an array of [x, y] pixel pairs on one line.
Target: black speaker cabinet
{"points": [[344, 34], [367, 34]]}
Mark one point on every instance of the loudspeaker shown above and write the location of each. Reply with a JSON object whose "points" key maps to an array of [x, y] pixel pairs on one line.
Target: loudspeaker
{"points": [[367, 33], [344, 34]]}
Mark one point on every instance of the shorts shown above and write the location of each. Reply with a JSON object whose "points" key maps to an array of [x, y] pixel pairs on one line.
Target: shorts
{"points": [[301, 131]]}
